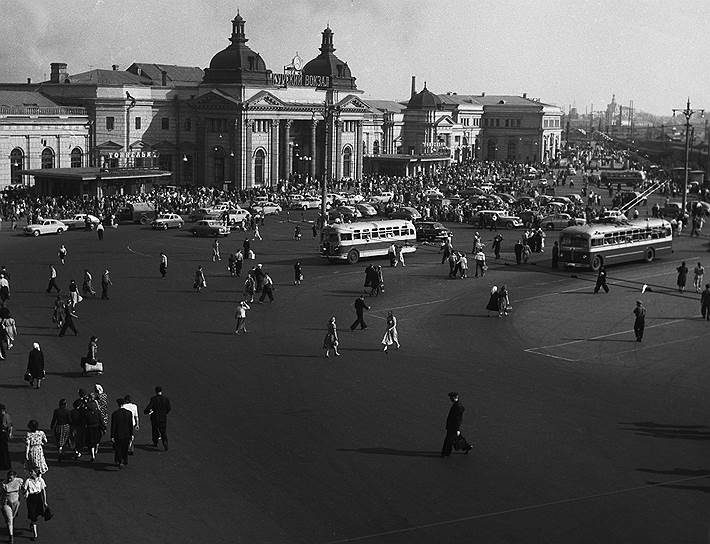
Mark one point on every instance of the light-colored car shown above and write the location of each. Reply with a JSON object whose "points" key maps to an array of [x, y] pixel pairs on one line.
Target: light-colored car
{"points": [[209, 227], [433, 193], [501, 218], [305, 203], [560, 221], [236, 216], [78, 221], [167, 220], [266, 208], [45, 226], [352, 199], [385, 197], [366, 209], [406, 212]]}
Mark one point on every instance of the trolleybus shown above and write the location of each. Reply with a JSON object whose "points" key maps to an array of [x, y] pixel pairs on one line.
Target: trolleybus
{"points": [[351, 241], [597, 244]]}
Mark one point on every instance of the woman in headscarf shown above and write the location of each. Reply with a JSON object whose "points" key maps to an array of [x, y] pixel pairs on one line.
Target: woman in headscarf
{"points": [[492, 305], [35, 366], [391, 336], [61, 426], [102, 402], [331, 338]]}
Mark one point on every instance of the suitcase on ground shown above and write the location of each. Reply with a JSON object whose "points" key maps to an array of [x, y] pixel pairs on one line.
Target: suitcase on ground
{"points": [[93, 369], [461, 444]]}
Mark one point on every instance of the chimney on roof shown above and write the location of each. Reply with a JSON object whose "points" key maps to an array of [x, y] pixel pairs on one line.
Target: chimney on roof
{"points": [[114, 67], [414, 86], [58, 72], [163, 78], [525, 95], [483, 94], [29, 81]]}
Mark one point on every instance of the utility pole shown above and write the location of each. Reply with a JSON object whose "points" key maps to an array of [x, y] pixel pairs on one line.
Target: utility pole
{"points": [[687, 113]]}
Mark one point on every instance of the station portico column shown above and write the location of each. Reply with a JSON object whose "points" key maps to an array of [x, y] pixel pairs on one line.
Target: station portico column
{"points": [[338, 152], [314, 128], [275, 152], [357, 174], [287, 149], [248, 137]]}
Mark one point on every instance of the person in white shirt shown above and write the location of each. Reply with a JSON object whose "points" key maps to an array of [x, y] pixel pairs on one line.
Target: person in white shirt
{"points": [[35, 490], [241, 316], [133, 409], [163, 264], [52, 279]]}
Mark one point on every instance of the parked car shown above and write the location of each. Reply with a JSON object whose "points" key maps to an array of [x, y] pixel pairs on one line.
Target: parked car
{"points": [[167, 220], [209, 227], [78, 221], [500, 219], [204, 213], [237, 215], [45, 226], [366, 209], [305, 203], [352, 198], [346, 213], [385, 196], [560, 221], [433, 193], [431, 231], [266, 208], [137, 212], [406, 212]]}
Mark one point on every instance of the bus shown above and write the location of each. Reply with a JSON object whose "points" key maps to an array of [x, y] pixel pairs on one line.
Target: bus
{"points": [[630, 178], [351, 241], [597, 244]]}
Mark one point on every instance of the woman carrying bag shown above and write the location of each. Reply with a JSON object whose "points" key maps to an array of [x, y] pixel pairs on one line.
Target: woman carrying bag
{"points": [[36, 496]]}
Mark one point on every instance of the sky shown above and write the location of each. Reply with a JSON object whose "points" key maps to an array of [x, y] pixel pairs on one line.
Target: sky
{"points": [[576, 52]]}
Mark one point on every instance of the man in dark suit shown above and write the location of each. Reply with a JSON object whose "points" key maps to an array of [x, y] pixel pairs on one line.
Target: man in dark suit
{"points": [[360, 307], [121, 433], [453, 426], [158, 409]]}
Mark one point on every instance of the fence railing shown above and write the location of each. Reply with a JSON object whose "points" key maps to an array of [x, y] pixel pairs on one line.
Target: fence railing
{"points": [[42, 110]]}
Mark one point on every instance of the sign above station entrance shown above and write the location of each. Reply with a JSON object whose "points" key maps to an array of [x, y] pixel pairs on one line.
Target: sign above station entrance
{"points": [[298, 79]]}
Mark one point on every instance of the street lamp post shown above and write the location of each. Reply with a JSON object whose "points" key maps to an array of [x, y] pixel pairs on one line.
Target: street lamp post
{"points": [[687, 113]]}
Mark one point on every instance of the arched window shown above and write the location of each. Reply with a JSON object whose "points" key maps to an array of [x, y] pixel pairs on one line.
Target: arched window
{"points": [[219, 165], [376, 147], [259, 161], [347, 162], [47, 157], [17, 164], [76, 156]]}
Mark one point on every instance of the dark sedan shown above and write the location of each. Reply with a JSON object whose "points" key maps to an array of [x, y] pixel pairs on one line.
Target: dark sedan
{"points": [[431, 231]]}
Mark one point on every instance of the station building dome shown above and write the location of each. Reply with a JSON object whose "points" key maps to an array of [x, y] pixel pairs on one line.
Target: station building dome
{"points": [[328, 65], [424, 100], [237, 63]]}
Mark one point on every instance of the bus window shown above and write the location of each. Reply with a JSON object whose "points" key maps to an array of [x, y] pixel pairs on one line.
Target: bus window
{"points": [[395, 231], [577, 241], [356, 235], [375, 234], [597, 242], [346, 236]]}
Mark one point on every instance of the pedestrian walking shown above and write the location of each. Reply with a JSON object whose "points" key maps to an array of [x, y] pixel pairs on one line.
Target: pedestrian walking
{"points": [[601, 280], [297, 273], [61, 427], [518, 248], [34, 447], [10, 501], [504, 306], [241, 317], [216, 256], [297, 232], [121, 433], [360, 307], [87, 287], [238, 263], [454, 420], [62, 254], [35, 491], [35, 366], [392, 255], [698, 274], [555, 254], [6, 430], [391, 336], [58, 312], [74, 295], [705, 302], [158, 409], [95, 428], [249, 288], [331, 338], [69, 317], [267, 289], [480, 259], [314, 230], [682, 276], [105, 284], [639, 320], [100, 230], [400, 254], [200, 281], [163, 264], [446, 248], [129, 405], [8, 331], [52, 280], [101, 398], [497, 244], [463, 266], [492, 305], [257, 234], [4, 289]]}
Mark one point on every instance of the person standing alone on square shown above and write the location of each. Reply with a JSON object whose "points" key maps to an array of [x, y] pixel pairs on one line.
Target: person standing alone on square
{"points": [[158, 409], [640, 320]]}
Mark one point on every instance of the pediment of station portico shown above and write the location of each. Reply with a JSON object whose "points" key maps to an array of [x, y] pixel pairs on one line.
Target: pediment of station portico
{"points": [[214, 99], [265, 100], [355, 104], [445, 122]]}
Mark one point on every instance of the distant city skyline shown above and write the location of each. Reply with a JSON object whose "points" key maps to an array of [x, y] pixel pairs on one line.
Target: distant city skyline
{"points": [[565, 53]]}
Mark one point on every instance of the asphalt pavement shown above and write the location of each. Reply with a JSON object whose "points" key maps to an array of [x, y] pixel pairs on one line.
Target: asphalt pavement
{"points": [[580, 433]]}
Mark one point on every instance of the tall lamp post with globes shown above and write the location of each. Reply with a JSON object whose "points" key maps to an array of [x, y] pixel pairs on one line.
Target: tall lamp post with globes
{"points": [[687, 113]]}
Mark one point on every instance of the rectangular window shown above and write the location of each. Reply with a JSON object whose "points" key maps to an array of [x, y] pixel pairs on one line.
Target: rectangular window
{"points": [[110, 123], [165, 123], [517, 123], [497, 122], [188, 125], [507, 121], [138, 123]]}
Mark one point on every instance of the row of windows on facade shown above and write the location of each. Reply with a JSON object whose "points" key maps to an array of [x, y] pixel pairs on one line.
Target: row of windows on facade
{"points": [[217, 125], [164, 123]]}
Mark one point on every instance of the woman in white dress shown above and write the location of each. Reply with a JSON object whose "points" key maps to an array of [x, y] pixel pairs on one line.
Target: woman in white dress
{"points": [[391, 336]]}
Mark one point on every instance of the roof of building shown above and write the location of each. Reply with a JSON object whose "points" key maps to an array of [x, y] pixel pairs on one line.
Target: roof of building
{"points": [[108, 77], [387, 105], [24, 98], [237, 63], [424, 99], [327, 64], [489, 99], [175, 75]]}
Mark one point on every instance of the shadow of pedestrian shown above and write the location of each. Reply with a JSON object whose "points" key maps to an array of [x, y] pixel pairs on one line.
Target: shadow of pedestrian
{"points": [[661, 430], [391, 451]]}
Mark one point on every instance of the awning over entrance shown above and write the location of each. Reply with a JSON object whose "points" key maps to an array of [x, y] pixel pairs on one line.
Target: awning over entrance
{"points": [[405, 165], [94, 181]]}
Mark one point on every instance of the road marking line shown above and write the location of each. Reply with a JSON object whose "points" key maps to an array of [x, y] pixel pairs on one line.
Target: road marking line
{"points": [[639, 348], [518, 509], [414, 305], [137, 252]]}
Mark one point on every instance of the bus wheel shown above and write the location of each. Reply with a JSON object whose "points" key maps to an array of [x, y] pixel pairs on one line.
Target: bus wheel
{"points": [[144, 220], [650, 255], [597, 263], [353, 256]]}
